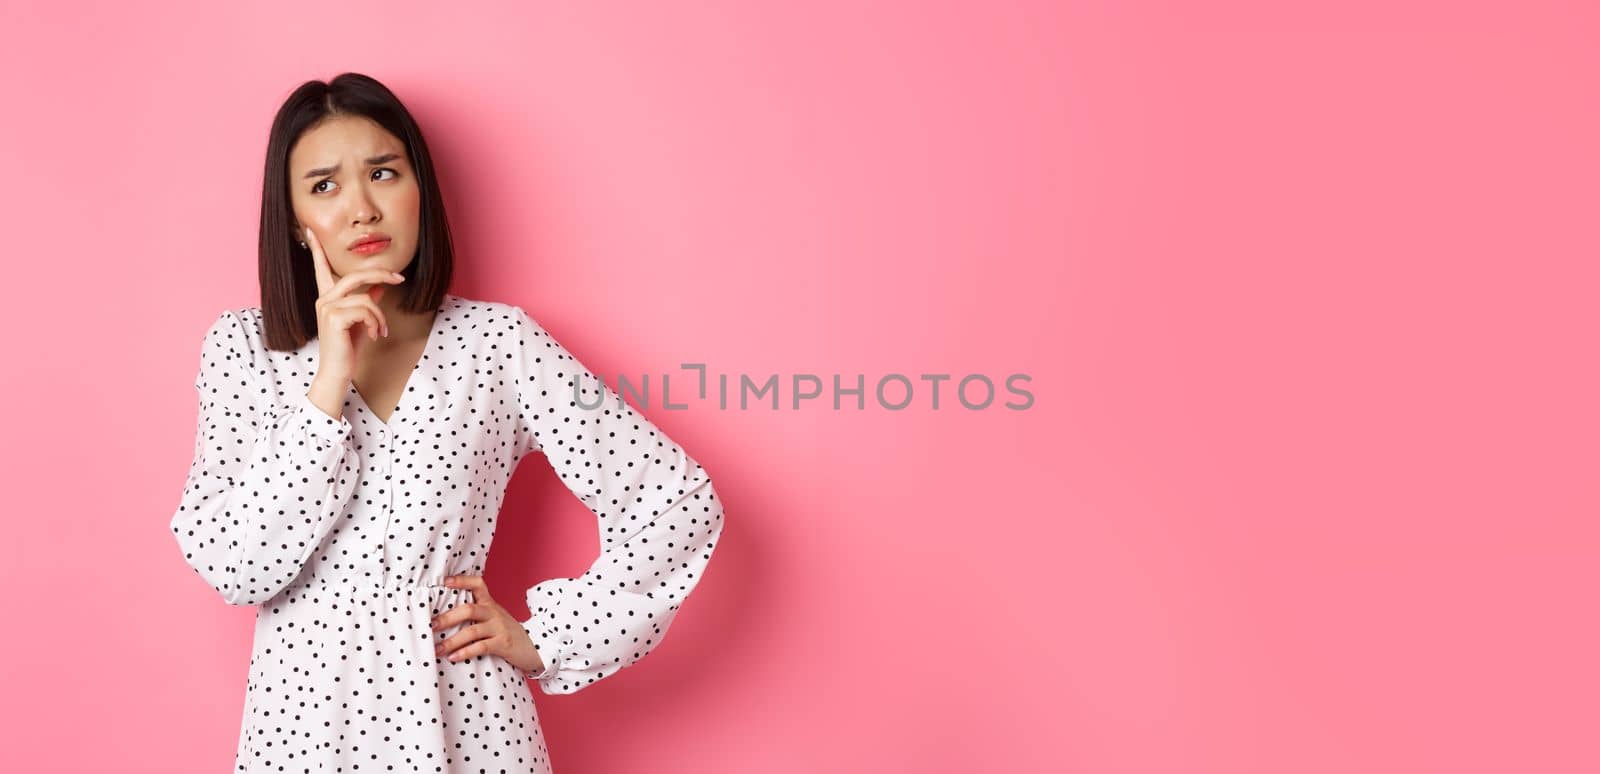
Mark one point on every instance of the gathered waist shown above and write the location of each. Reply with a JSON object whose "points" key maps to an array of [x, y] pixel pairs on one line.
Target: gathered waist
{"points": [[370, 600], [340, 583]]}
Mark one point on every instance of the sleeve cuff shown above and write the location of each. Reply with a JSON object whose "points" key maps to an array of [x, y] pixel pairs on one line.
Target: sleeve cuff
{"points": [[317, 422], [549, 650]]}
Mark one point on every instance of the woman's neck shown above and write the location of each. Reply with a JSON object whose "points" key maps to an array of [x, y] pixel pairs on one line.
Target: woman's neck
{"points": [[404, 327]]}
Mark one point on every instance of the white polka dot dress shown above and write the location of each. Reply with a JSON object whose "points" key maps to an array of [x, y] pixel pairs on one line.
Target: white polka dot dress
{"points": [[342, 531]]}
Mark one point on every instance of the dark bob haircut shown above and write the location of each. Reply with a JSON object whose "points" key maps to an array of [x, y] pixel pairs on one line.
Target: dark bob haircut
{"points": [[288, 277]]}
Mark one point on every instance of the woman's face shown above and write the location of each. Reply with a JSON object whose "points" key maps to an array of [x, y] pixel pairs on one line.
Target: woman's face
{"points": [[349, 177]]}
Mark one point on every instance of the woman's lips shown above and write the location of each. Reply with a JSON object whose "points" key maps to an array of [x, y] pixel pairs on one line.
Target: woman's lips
{"points": [[368, 248]]}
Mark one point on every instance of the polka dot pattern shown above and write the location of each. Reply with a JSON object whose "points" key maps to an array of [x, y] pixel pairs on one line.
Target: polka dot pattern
{"points": [[341, 533]]}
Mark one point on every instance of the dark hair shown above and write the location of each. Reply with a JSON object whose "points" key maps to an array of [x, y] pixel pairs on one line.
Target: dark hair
{"points": [[288, 278]]}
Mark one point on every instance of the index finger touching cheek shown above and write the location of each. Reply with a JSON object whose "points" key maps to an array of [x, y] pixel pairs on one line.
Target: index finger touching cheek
{"points": [[319, 262]]}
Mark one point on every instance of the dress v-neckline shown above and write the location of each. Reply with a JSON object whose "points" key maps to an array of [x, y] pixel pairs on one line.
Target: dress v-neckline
{"points": [[406, 388]]}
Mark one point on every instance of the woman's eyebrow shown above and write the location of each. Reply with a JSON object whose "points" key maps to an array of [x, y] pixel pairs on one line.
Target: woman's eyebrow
{"points": [[321, 171]]}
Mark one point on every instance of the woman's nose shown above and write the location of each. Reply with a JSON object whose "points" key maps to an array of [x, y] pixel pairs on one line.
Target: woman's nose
{"points": [[365, 209]]}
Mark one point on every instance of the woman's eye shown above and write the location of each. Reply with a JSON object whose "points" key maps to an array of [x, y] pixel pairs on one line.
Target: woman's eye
{"points": [[319, 189]]}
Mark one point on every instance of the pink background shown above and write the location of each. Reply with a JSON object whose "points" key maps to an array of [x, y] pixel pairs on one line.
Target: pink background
{"points": [[1307, 296]]}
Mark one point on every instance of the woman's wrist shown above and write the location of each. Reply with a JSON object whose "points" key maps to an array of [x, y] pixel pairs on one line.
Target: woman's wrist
{"points": [[327, 394]]}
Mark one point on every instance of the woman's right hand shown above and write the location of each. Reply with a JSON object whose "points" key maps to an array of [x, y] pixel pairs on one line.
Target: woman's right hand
{"points": [[347, 317]]}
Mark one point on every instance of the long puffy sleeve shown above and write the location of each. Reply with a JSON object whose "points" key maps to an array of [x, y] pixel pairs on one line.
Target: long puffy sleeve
{"points": [[267, 481], [658, 517]]}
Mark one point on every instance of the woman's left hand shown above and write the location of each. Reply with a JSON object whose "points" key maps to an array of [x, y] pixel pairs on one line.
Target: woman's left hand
{"points": [[494, 630]]}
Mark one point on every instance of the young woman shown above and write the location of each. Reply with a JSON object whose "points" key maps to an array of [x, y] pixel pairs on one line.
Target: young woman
{"points": [[356, 434]]}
